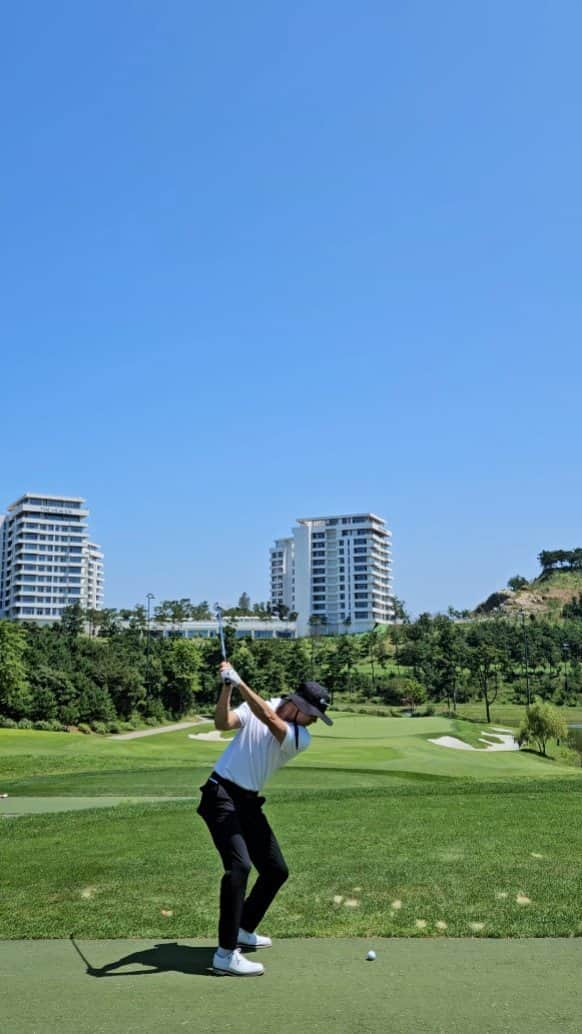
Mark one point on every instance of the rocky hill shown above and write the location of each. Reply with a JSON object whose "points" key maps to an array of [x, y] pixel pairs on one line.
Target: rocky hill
{"points": [[545, 595]]}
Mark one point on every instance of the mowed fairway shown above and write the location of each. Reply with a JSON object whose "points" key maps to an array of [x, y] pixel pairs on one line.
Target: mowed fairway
{"points": [[386, 834]]}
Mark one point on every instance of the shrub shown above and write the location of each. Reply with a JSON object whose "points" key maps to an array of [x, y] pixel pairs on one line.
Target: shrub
{"points": [[84, 728], [25, 723], [7, 723], [99, 727], [155, 711], [114, 727], [56, 726], [542, 723], [424, 712], [43, 726], [567, 755]]}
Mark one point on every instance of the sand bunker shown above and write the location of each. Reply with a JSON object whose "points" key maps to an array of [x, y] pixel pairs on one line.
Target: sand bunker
{"points": [[498, 739], [214, 735]]}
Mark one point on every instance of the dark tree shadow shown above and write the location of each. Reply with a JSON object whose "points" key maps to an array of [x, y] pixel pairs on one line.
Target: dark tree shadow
{"points": [[168, 956]]}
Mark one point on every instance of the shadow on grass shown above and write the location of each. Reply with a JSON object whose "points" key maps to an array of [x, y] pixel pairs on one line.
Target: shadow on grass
{"points": [[165, 957]]}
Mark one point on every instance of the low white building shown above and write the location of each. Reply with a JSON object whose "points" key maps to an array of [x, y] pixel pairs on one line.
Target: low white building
{"points": [[256, 628]]}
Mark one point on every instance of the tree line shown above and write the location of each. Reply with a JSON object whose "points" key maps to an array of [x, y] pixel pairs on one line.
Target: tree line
{"points": [[560, 560], [509, 658], [176, 612], [74, 674]]}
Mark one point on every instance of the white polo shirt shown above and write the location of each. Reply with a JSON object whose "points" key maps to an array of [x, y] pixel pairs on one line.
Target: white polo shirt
{"points": [[254, 754]]}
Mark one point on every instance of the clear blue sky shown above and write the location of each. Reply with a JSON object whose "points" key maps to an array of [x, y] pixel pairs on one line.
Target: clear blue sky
{"points": [[264, 261]]}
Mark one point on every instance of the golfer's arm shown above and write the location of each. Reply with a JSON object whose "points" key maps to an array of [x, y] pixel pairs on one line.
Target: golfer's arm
{"points": [[262, 710], [224, 718]]}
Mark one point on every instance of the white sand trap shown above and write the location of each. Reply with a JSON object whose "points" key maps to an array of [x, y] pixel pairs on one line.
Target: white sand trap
{"points": [[214, 735], [494, 741]]}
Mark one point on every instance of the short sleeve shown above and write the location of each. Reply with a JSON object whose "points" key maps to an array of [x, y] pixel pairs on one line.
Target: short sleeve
{"points": [[303, 740], [244, 713]]}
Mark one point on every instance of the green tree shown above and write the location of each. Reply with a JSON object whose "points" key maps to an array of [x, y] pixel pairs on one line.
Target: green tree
{"points": [[55, 689], [181, 665], [483, 656], [347, 653], [400, 611], [72, 621], [15, 696], [517, 582], [542, 723], [94, 703]]}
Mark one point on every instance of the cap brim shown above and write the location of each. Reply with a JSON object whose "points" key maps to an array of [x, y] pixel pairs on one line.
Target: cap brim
{"points": [[308, 708]]}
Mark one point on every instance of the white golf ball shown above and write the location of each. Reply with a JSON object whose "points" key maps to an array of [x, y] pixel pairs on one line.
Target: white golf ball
{"points": [[371, 956]]}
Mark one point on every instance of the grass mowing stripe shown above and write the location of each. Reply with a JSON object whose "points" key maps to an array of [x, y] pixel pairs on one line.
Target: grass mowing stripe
{"points": [[397, 865]]}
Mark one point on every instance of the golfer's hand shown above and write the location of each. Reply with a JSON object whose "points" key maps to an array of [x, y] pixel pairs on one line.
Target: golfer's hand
{"points": [[228, 674]]}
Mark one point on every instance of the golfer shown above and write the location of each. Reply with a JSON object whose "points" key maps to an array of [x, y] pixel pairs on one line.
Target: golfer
{"points": [[270, 734]]}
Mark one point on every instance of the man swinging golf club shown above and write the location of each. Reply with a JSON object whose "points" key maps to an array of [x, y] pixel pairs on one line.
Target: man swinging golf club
{"points": [[270, 734]]}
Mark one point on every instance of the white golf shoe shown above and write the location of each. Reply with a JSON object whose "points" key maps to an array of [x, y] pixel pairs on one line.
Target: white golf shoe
{"points": [[235, 965], [252, 940]]}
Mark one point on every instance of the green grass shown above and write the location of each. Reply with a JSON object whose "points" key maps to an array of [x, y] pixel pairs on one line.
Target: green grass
{"points": [[559, 580], [453, 835], [440, 986], [359, 750], [509, 714], [445, 856]]}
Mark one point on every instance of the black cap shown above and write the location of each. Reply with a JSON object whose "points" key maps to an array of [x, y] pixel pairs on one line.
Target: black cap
{"points": [[313, 699]]}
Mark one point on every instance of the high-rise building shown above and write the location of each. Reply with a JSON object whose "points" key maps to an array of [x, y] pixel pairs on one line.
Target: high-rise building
{"points": [[282, 573], [335, 573], [94, 577], [46, 560]]}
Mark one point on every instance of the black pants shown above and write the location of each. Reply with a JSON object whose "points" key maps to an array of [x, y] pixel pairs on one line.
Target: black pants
{"points": [[243, 838]]}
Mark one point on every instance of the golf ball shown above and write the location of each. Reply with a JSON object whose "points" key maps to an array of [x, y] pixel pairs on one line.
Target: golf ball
{"points": [[371, 956]]}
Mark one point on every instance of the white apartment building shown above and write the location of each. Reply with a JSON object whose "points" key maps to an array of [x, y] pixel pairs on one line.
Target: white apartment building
{"points": [[46, 560], [282, 573], [340, 573], [94, 575]]}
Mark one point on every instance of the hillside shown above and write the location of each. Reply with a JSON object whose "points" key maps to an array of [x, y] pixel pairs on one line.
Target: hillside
{"points": [[545, 595]]}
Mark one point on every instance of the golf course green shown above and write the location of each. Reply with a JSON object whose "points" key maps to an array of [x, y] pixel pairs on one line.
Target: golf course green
{"points": [[447, 862]]}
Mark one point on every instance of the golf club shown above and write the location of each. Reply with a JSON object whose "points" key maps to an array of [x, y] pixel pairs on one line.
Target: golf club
{"points": [[218, 610], [90, 968]]}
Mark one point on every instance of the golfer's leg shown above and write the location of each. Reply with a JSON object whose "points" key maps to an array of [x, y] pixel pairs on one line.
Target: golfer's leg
{"points": [[226, 831], [268, 860], [237, 865]]}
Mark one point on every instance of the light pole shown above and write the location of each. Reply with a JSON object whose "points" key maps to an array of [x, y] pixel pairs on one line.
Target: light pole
{"points": [[525, 657], [149, 597], [565, 653]]}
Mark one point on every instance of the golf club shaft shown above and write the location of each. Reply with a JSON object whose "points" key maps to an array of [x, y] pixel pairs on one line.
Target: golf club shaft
{"points": [[221, 634]]}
